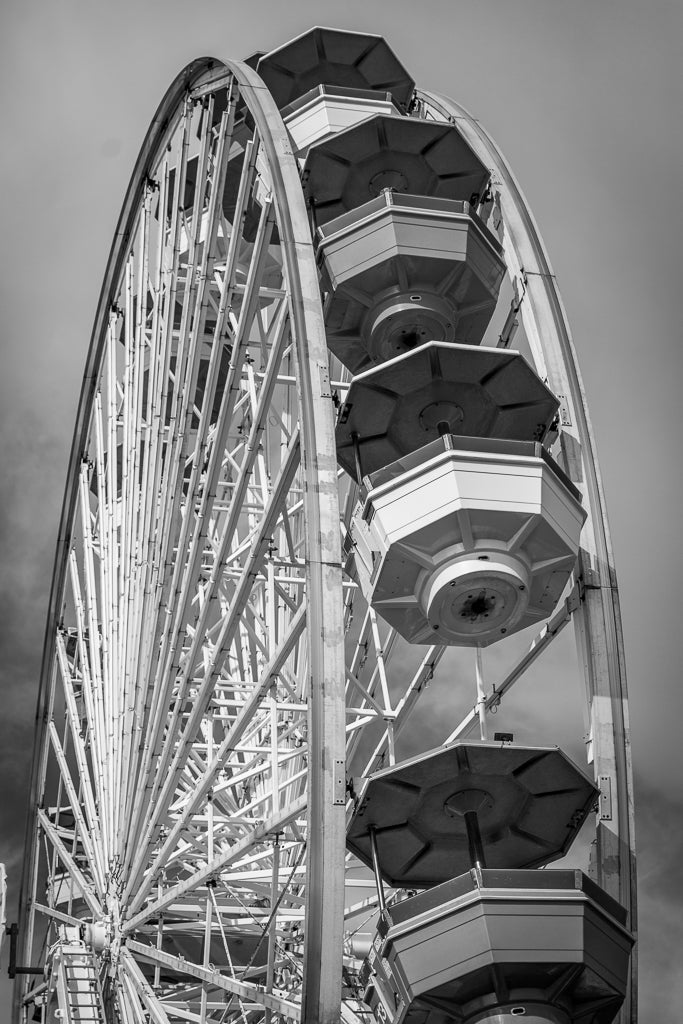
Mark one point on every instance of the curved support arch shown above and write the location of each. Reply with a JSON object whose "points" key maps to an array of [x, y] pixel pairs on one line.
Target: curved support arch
{"points": [[327, 834], [325, 628], [599, 631]]}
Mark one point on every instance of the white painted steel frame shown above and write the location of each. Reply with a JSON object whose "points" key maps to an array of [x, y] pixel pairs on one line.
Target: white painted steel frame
{"points": [[223, 798]]}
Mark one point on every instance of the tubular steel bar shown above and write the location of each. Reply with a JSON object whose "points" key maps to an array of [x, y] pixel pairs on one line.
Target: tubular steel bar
{"points": [[290, 1011], [327, 835]]}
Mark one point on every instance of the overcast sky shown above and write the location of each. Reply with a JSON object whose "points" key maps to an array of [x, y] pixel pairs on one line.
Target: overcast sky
{"points": [[584, 98]]}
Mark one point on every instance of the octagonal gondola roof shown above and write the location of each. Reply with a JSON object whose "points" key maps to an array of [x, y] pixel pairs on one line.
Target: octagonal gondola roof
{"points": [[406, 402], [427, 158], [530, 803], [328, 56]]}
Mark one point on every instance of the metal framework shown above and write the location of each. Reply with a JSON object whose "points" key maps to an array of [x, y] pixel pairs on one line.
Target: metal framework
{"points": [[212, 680]]}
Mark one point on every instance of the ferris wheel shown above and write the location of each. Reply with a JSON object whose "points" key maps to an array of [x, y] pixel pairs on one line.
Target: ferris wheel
{"points": [[332, 494]]}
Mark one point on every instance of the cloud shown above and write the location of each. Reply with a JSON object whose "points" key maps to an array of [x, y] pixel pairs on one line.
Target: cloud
{"points": [[659, 842]]}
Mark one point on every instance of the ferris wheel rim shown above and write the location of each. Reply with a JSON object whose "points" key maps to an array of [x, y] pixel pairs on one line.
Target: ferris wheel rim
{"points": [[307, 329]]}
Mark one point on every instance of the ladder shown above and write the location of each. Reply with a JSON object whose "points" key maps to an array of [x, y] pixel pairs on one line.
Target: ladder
{"points": [[76, 984]]}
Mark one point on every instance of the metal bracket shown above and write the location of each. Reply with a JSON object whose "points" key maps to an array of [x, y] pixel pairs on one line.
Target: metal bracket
{"points": [[605, 805], [325, 389], [565, 418], [339, 784], [13, 969], [574, 599], [591, 579]]}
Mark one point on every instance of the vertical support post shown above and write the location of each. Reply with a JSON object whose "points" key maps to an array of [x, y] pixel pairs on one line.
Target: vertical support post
{"points": [[326, 718], [376, 868], [481, 698], [475, 845], [274, 893], [357, 457], [209, 885], [326, 839], [160, 941]]}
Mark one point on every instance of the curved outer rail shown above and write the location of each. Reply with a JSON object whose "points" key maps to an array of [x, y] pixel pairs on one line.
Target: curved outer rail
{"points": [[599, 631], [327, 737], [326, 833]]}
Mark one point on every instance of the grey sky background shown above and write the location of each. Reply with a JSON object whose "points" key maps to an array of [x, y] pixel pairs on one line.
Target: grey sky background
{"points": [[585, 100]]}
